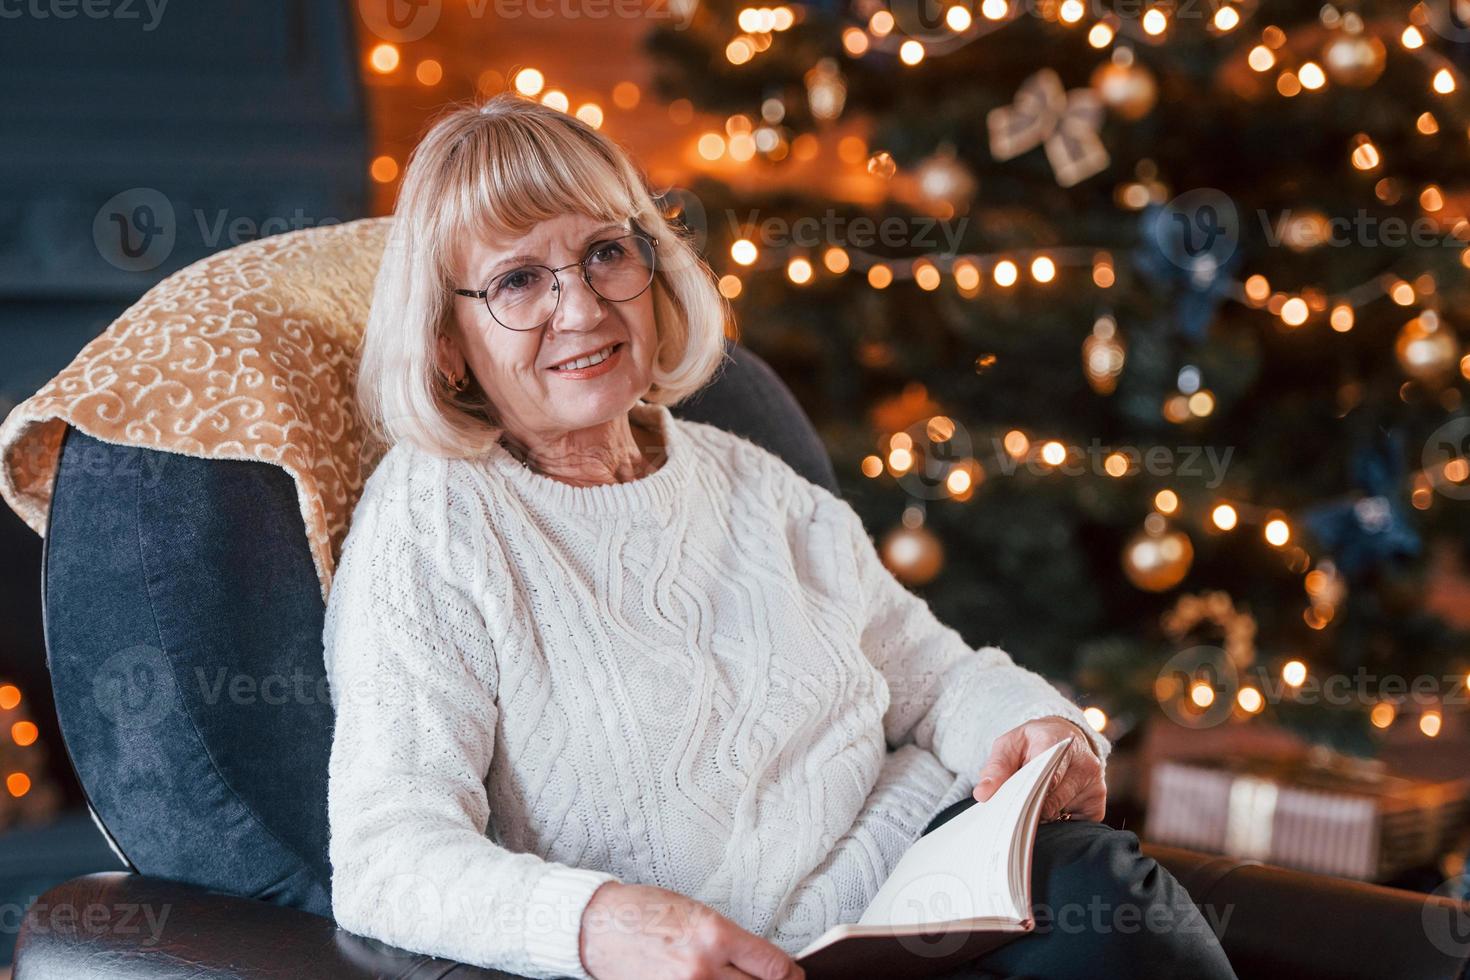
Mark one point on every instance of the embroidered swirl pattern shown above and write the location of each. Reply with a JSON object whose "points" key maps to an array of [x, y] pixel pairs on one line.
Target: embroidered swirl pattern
{"points": [[248, 354]]}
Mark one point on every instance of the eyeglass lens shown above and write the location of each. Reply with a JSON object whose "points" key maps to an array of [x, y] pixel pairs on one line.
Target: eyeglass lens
{"points": [[617, 270]]}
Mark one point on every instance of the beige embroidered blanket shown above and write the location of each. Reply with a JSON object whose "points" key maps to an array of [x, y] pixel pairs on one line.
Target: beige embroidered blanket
{"points": [[248, 354]]}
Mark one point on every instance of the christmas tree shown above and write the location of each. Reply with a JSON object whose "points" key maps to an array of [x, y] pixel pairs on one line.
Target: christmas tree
{"points": [[1139, 331]]}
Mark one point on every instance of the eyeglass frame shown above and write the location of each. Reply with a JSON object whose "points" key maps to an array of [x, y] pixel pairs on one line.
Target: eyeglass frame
{"points": [[483, 294]]}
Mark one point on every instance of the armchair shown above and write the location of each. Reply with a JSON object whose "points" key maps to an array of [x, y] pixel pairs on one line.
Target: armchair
{"points": [[183, 626]]}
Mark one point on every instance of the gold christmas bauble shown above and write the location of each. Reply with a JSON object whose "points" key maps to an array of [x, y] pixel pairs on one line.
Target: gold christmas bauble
{"points": [[1128, 89], [913, 554], [1354, 60], [1426, 348], [1157, 561]]}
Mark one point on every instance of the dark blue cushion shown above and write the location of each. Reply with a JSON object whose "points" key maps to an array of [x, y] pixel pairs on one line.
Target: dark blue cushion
{"points": [[183, 629]]}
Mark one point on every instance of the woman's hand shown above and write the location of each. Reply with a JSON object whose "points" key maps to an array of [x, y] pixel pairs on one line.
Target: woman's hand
{"points": [[1076, 787], [640, 931]]}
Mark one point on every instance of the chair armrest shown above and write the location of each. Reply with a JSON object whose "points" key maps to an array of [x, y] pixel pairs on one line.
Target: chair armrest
{"points": [[1276, 922], [1271, 921], [119, 925]]}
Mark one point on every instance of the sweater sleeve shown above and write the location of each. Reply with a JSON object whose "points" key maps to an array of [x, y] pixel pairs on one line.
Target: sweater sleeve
{"points": [[413, 681], [944, 696]]}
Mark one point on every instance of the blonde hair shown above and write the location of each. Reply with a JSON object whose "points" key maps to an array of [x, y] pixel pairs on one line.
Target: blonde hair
{"points": [[499, 168]]}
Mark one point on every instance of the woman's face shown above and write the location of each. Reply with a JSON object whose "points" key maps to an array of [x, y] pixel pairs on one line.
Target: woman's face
{"points": [[517, 368]]}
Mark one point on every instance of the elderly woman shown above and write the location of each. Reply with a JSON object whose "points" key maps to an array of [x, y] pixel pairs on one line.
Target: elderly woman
{"points": [[623, 696]]}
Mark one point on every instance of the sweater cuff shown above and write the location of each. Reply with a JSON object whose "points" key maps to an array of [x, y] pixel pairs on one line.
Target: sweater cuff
{"points": [[554, 925]]}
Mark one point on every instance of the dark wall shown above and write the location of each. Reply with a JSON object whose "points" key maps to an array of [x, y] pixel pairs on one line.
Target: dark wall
{"points": [[134, 140]]}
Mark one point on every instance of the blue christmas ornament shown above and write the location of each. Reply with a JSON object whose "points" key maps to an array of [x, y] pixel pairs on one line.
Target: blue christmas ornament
{"points": [[1374, 528], [1188, 251]]}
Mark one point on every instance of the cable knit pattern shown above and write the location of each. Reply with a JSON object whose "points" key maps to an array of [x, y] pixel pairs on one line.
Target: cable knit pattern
{"points": [[704, 679]]}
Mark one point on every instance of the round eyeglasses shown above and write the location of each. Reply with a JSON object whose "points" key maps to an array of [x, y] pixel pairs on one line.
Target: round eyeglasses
{"points": [[527, 297]]}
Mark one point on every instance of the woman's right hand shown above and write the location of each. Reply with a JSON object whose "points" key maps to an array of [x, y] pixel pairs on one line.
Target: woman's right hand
{"points": [[634, 932]]}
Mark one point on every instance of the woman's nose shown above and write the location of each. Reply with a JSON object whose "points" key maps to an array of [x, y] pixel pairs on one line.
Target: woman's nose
{"points": [[580, 307]]}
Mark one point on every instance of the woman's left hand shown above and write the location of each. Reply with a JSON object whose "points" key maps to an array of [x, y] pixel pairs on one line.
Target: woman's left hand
{"points": [[1077, 787]]}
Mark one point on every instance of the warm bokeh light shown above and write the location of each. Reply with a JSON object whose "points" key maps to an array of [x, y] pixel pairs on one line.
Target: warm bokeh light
{"points": [[9, 696], [1202, 694], [1294, 312], [384, 58], [1224, 517], [730, 286], [1043, 269], [1444, 81], [1053, 453], [1095, 717], [591, 114], [799, 271], [529, 82], [1250, 700], [384, 169], [1382, 714], [1294, 673], [429, 72], [711, 146], [880, 276], [24, 733], [743, 251], [1430, 722], [1166, 501], [926, 276], [1005, 273], [1365, 154], [1016, 443], [18, 784], [1277, 532], [626, 95]]}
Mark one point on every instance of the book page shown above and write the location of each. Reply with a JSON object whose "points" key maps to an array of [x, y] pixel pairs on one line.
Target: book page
{"points": [[963, 869]]}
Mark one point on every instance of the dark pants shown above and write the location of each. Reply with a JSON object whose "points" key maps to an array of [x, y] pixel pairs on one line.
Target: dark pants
{"points": [[1103, 910]]}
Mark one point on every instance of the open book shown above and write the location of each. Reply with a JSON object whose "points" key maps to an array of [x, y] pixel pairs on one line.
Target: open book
{"points": [[959, 891]]}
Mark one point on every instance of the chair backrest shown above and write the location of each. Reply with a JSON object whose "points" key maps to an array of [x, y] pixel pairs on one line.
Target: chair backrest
{"points": [[183, 633]]}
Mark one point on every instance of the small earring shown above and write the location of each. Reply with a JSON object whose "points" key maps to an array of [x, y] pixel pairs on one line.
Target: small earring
{"points": [[459, 382]]}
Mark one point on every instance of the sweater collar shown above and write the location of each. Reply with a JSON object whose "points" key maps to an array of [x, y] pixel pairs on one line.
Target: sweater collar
{"points": [[658, 490]]}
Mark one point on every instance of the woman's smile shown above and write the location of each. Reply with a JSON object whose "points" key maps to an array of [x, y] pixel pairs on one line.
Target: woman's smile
{"points": [[581, 367]]}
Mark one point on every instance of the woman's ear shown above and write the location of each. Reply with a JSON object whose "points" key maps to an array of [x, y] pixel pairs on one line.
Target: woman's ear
{"points": [[450, 358]]}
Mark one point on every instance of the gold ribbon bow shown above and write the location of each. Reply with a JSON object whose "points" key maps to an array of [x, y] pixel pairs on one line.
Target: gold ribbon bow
{"points": [[1066, 123]]}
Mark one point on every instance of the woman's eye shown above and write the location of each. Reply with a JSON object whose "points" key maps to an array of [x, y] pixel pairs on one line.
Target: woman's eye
{"points": [[610, 252], [516, 281]]}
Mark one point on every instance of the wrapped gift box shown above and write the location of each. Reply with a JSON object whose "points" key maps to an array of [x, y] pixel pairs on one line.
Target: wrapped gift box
{"points": [[1322, 814]]}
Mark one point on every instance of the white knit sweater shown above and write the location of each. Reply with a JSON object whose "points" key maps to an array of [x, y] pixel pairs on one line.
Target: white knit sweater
{"points": [[703, 679]]}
